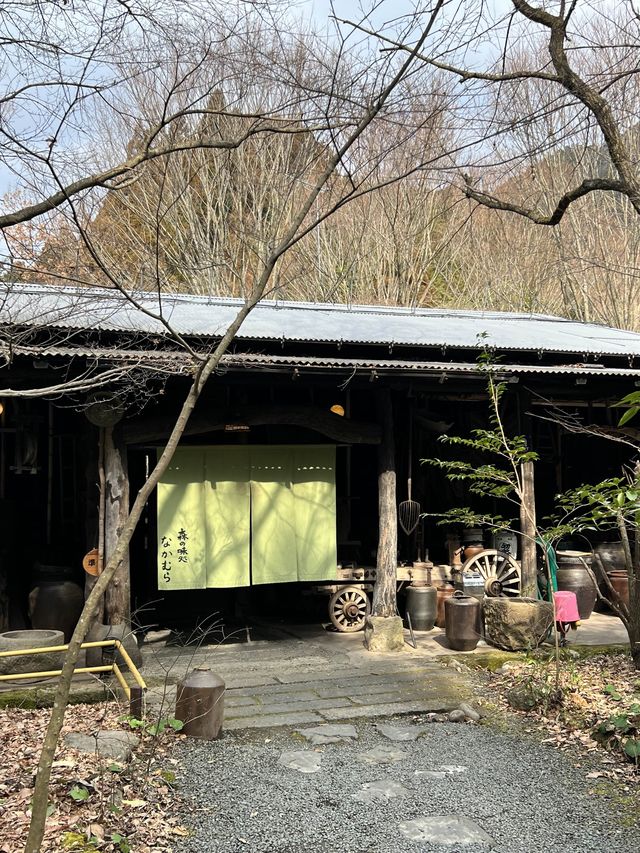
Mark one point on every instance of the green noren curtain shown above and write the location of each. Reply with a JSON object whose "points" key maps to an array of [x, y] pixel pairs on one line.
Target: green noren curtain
{"points": [[253, 514], [314, 492], [227, 511], [182, 560]]}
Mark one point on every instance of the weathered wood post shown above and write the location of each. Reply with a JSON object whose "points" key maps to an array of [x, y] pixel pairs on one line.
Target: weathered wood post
{"points": [[118, 594], [528, 531], [383, 629]]}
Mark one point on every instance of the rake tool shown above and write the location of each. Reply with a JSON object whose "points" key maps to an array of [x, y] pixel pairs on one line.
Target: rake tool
{"points": [[409, 510]]}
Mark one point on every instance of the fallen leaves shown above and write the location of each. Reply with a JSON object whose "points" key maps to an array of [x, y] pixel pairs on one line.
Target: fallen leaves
{"points": [[95, 804], [593, 690]]}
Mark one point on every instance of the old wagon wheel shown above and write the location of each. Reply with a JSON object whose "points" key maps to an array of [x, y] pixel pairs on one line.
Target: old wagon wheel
{"points": [[348, 608], [500, 572]]}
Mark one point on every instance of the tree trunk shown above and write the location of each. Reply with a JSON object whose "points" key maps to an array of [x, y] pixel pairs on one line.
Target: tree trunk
{"points": [[384, 591], [116, 512], [528, 533], [95, 519]]}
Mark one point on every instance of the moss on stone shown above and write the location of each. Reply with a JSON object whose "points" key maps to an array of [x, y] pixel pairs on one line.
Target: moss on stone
{"points": [[491, 659], [627, 805], [39, 696], [18, 699]]}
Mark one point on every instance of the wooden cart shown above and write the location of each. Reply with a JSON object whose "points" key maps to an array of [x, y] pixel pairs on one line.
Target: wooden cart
{"points": [[350, 594]]}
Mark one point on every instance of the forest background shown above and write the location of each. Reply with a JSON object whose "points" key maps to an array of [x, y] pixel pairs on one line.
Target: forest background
{"points": [[184, 222]]}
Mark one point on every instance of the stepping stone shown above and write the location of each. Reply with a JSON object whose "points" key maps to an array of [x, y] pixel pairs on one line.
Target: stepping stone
{"points": [[300, 760], [431, 774], [113, 744], [329, 734], [457, 716], [382, 755], [400, 733], [452, 831], [453, 768], [381, 791], [470, 712]]}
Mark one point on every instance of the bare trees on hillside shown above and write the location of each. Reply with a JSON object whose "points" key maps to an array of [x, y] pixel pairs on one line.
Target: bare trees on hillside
{"points": [[544, 113]]}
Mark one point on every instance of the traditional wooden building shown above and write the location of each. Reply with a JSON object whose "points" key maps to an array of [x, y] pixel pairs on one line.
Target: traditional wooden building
{"points": [[275, 488]]}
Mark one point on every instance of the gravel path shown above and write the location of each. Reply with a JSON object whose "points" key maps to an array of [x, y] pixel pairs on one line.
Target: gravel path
{"points": [[527, 796]]}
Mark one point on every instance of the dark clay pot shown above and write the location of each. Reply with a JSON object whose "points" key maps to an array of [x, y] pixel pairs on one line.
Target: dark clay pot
{"points": [[573, 577], [462, 621], [612, 556], [421, 607], [55, 601]]}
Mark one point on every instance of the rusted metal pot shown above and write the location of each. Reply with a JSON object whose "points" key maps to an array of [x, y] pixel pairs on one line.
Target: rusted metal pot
{"points": [[573, 577], [443, 592], [421, 606], [200, 703], [620, 583], [462, 621]]}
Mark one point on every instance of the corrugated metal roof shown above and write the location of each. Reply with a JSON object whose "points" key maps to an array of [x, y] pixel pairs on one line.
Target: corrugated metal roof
{"points": [[108, 310], [178, 361], [431, 367]]}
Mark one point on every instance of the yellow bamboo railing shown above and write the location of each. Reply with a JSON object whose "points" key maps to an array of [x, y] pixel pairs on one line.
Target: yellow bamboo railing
{"points": [[134, 694]]}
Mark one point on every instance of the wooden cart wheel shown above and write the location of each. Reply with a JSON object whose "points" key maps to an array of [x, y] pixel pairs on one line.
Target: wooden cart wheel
{"points": [[348, 608], [500, 572]]}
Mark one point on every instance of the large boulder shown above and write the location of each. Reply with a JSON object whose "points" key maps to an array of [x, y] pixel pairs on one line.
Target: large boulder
{"points": [[516, 624], [383, 634]]}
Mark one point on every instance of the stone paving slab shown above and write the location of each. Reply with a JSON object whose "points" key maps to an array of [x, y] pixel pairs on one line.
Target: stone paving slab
{"points": [[271, 698], [231, 701], [387, 710], [235, 681], [287, 708], [270, 721], [361, 687], [319, 679]]}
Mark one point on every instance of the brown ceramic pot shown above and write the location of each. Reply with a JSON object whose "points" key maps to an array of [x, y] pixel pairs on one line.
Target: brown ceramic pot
{"points": [[443, 592], [472, 550], [620, 583]]}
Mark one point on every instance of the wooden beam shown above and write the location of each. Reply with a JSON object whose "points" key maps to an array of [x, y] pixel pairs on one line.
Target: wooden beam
{"points": [[335, 427], [384, 590], [529, 560], [118, 594]]}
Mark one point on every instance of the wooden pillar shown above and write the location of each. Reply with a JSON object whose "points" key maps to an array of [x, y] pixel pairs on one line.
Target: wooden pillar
{"points": [[118, 594], [528, 530], [384, 591], [94, 518]]}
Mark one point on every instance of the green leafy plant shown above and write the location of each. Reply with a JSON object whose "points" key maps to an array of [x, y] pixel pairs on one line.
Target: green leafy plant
{"points": [[169, 777], [611, 691], [76, 841], [154, 728], [163, 724], [499, 477], [133, 722], [632, 400], [79, 793], [621, 733], [121, 843], [611, 505]]}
